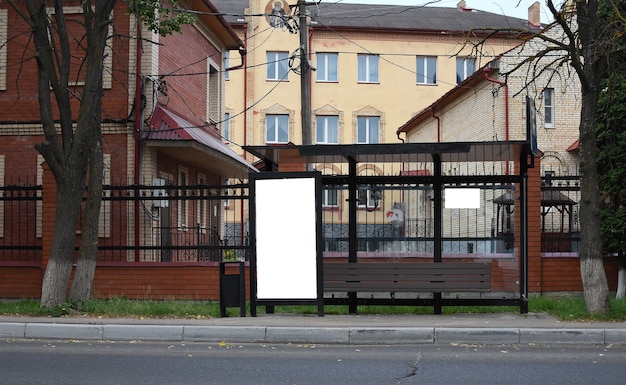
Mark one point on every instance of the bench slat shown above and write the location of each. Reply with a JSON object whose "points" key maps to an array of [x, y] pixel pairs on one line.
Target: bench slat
{"points": [[407, 277]]}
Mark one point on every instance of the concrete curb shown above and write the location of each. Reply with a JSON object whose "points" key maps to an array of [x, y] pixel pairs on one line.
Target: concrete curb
{"points": [[312, 335]]}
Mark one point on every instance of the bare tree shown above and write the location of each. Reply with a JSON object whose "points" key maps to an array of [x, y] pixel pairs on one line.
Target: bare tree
{"points": [[72, 147], [584, 45]]}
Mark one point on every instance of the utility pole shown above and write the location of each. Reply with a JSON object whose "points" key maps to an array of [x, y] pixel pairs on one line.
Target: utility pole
{"points": [[305, 76]]}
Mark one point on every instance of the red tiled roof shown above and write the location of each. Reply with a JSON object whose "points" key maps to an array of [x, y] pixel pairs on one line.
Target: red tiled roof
{"points": [[573, 146], [165, 125]]}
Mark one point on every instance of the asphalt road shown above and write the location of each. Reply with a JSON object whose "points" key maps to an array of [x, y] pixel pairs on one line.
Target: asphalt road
{"points": [[46, 362]]}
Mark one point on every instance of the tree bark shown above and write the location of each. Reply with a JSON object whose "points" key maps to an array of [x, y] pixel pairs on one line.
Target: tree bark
{"points": [[67, 153], [88, 254], [621, 283], [593, 275], [58, 271], [96, 27]]}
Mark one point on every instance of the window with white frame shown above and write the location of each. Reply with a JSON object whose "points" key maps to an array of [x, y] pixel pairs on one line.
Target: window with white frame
{"points": [[330, 199], [327, 128], [548, 107], [4, 23], [74, 21], [226, 192], [368, 197], [226, 65], [277, 128], [367, 68], [202, 205], [426, 70], [465, 66], [226, 127], [368, 129], [277, 65], [183, 204], [327, 66], [213, 93]]}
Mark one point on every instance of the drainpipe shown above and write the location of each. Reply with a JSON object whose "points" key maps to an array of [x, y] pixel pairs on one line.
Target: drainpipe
{"points": [[245, 89], [244, 63], [242, 53], [138, 123], [488, 71], [432, 114]]}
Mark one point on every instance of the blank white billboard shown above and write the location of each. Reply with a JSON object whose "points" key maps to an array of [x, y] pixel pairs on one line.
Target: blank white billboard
{"points": [[462, 198], [286, 246]]}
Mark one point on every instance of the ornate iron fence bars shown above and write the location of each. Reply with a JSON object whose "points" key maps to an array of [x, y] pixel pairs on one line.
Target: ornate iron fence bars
{"points": [[216, 226]]}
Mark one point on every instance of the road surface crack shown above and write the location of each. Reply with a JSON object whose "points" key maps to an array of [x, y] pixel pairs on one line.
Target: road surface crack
{"points": [[412, 369]]}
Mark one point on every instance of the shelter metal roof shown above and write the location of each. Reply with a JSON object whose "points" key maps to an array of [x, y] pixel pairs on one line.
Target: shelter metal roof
{"points": [[396, 152]]}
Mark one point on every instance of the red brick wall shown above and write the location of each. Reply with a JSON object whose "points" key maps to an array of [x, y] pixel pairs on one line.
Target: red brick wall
{"points": [[183, 54], [20, 101], [157, 281], [20, 158], [534, 225], [563, 274], [19, 282]]}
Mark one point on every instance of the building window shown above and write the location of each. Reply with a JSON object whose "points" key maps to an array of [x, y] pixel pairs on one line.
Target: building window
{"points": [[277, 65], [368, 129], [3, 48], [367, 68], [426, 70], [548, 107], [326, 67], [330, 198], [202, 206], [226, 127], [226, 65], [277, 128], [327, 128], [183, 203], [213, 93], [465, 66], [368, 197]]}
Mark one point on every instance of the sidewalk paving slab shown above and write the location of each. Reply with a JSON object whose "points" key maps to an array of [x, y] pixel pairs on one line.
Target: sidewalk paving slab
{"points": [[496, 328]]}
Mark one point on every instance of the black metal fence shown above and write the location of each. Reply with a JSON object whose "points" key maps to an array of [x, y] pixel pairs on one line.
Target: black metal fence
{"points": [[203, 223], [560, 225], [20, 223], [400, 220], [198, 223]]}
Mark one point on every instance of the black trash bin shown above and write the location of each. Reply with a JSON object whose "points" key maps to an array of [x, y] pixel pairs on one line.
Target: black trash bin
{"points": [[232, 288]]}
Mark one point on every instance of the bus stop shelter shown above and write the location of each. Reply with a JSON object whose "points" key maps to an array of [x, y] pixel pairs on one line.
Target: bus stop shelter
{"points": [[425, 170]]}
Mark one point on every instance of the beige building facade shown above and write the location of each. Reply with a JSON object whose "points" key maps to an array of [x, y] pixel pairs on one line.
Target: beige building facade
{"points": [[374, 68], [491, 105], [495, 104]]}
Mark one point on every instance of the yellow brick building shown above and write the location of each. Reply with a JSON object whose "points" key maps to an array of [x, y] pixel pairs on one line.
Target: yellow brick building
{"points": [[375, 67]]}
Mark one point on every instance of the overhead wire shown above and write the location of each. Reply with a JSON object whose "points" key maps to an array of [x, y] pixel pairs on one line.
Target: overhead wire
{"points": [[392, 10]]}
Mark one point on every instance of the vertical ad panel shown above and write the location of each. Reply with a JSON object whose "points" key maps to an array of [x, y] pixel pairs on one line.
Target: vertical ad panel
{"points": [[286, 234]]}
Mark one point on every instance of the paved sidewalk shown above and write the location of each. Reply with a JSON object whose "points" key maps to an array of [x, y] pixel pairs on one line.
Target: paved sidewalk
{"points": [[499, 328]]}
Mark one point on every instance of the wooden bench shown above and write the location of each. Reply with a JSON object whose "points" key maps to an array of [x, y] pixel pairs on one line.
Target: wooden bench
{"points": [[407, 277]]}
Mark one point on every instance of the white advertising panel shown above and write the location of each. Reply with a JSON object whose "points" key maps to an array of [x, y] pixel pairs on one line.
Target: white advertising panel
{"points": [[462, 198], [286, 246]]}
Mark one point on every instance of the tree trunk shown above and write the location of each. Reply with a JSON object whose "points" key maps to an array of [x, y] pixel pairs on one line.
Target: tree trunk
{"points": [[595, 285], [621, 283], [58, 271], [593, 275], [88, 254]]}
